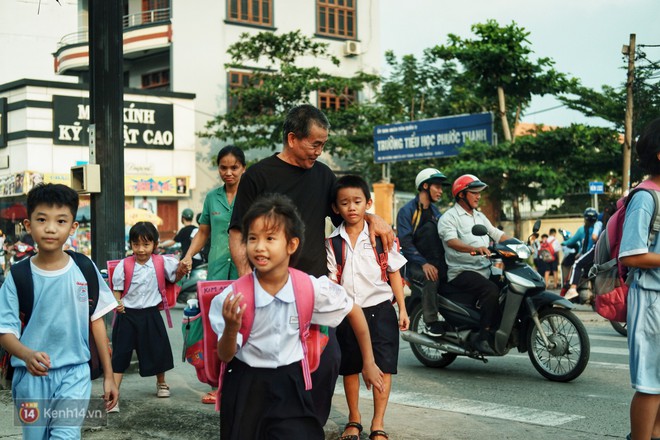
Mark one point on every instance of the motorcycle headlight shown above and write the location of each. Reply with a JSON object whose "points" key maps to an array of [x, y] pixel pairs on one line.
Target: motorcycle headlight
{"points": [[522, 250]]}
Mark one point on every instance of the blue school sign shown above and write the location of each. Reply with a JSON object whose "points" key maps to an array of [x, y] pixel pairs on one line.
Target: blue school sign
{"points": [[428, 138]]}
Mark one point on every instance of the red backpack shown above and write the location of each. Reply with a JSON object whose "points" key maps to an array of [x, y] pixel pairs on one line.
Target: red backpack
{"points": [[312, 339], [168, 291], [547, 252], [609, 275]]}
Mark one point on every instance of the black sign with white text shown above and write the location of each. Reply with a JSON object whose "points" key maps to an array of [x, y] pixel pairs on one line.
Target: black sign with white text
{"points": [[146, 125]]}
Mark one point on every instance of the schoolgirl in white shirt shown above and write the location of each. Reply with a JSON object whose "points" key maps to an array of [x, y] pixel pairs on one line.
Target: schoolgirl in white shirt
{"points": [[263, 393]]}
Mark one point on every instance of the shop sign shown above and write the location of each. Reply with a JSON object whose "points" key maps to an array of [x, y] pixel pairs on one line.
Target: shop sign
{"points": [[146, 124], [156, 186]]}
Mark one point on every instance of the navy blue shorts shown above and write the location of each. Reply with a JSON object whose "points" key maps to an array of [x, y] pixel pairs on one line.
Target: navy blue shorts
{"points": [[141, 330], [384, 331]]}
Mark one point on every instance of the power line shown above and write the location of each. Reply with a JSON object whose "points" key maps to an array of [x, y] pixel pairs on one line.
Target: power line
{"points": [[546, 110]]}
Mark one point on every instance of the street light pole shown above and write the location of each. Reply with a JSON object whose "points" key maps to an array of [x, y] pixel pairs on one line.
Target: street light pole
{"points": [[628, 122], [106, 95]]}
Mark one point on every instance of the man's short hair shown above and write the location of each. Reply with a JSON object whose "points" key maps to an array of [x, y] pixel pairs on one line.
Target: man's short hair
{"points": [[299, 119], [553, 231]]}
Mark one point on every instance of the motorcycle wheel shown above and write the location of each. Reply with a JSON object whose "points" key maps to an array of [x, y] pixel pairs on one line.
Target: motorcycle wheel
{"points": [[569, 356], [620, 327], [428, 356]]}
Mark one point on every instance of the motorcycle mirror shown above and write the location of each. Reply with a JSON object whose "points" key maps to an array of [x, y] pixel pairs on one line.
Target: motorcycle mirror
{"points": [[479, 230], [537, 226]]}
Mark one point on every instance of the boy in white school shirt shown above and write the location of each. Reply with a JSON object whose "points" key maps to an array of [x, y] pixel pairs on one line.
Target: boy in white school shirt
{"points": [[360, 273]]}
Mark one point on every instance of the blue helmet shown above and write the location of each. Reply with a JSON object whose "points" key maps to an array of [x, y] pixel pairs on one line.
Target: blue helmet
{"points": [[590, 215]]}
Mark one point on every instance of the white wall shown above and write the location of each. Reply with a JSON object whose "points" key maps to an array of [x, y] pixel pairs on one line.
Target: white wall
{"points": [[29, 34]]}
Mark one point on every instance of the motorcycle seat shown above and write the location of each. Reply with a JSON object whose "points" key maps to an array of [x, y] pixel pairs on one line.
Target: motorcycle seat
{"points": [[451, 298]]}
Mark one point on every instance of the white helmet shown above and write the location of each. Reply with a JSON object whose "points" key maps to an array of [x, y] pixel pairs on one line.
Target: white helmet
{"points": [[427, 175]]}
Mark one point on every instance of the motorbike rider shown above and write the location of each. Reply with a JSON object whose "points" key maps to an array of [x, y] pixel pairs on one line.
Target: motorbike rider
{"points": [[184, 235], [466, 271], [417, 230], [584, 239]]}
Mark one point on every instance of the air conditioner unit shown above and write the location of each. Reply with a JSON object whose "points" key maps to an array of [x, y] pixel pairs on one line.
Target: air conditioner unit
{"points": [[351, 48]]}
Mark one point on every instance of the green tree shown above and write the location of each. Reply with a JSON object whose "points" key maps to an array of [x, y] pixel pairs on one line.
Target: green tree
{"points": [[279, 83], [547, 164], [497, 64]]}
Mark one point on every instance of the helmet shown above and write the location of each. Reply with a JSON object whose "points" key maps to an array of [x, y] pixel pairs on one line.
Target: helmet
{"points": [[428, 175], [590, 214], [467, 182], [188, 214]]}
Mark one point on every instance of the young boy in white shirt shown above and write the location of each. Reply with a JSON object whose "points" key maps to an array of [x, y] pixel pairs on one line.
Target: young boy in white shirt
{"points": [[360, 273]]}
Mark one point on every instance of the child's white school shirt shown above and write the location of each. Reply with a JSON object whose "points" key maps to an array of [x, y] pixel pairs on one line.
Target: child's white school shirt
{"points": [[361, 276], [275, 339], [59, 324], [143, 291]]}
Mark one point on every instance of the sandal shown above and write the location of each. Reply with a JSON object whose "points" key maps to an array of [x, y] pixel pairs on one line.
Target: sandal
{"points": [[210, 397], [378, 432], [355, 425]]}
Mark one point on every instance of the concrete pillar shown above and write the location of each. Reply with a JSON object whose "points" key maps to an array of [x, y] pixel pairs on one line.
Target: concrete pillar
{"points": [[384, 201]]}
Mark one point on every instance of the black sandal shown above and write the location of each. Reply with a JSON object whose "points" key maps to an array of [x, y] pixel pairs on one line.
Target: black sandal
{"points": [[351, 436], [379, 432]]}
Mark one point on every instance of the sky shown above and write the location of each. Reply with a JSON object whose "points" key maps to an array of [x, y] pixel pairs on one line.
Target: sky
{"points": [[583, 37]]}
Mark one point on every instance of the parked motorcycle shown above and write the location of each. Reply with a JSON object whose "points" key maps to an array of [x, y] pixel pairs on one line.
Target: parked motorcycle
{"points": [[189, 283], [21, 251], [534, 320]]}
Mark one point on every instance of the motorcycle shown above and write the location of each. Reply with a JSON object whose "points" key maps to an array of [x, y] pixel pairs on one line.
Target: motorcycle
{"points": [[21, 251], [189, 283], [534, 320]]}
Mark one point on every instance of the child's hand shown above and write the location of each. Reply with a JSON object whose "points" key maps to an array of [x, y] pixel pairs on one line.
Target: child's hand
{"points": [[232, 311], [404, 320], [185, 266], [120, 307], [110, 393], [37, 363], [372, 375]]}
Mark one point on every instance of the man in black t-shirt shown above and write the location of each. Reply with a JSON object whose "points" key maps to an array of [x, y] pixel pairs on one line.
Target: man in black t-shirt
{"points": [[183, 236], [296, 173]]}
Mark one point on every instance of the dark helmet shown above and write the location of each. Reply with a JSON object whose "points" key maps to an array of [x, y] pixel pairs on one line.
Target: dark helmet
{"points": [[188, 214], [590, 215], [467, 182]]}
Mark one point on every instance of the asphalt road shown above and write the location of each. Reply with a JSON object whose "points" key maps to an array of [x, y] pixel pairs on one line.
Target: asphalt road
{"points": [[503, 399]]}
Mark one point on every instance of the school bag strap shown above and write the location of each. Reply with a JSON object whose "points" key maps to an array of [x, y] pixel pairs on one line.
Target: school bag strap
{"points": [[339, 250], [159, 266]]}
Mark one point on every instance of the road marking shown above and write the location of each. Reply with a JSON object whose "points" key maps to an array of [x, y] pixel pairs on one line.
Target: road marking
{"points": [[477, 408], [610, 350], [609, 338]]}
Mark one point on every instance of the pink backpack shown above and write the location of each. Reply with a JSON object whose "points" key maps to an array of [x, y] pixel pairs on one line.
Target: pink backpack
{"points": [[609, 275], [168, 291], [312, 339]]}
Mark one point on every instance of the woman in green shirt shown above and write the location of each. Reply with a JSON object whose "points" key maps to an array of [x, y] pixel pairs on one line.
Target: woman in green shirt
{"points": [[214, 222], [216, 214]]}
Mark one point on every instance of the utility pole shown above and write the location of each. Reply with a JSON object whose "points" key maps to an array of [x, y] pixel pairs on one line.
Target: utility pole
{"points": [[628, 50], [106, 94]]}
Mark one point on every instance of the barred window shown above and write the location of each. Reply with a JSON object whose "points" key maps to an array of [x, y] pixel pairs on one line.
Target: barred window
{"points": [[336, 18], [329, 100], [236, 80], [157, 80], [258, 12]]}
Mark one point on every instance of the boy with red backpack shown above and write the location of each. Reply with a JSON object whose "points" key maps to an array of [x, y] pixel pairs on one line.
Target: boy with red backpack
{"points": [[139, 291], [640, 251], [364, 273]]}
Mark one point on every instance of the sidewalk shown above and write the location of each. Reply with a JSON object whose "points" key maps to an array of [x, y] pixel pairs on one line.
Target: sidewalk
{"points": [[183, 416]]}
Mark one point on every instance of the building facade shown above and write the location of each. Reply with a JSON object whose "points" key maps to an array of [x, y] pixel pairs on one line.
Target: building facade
{"points": [[175, 53]]}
